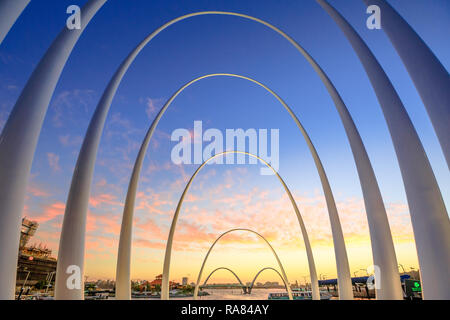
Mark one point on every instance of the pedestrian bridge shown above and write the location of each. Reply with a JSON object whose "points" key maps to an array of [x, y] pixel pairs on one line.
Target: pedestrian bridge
{"points": [[247, 289]]}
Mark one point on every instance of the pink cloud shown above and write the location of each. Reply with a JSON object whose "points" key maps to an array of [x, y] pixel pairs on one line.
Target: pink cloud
{"points": [[69, 141], [104, 198], [150, 229], [151, 107], [51, 211], [38, 192], [53, 161], [149, 244]]}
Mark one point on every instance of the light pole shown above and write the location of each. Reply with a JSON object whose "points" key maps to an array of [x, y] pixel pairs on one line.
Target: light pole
{"points": [[49, 281], [24, 282], [306, 281]]}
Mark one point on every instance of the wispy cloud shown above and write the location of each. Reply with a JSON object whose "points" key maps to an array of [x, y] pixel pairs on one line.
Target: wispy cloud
{"points": [[69, 140], [53, 161], [104, 199], [50, 212], [152, 106], [68, 105], [36, 191]]}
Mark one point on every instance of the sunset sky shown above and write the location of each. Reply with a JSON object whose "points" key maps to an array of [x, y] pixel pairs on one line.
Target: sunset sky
{"points": [[222, 196]]}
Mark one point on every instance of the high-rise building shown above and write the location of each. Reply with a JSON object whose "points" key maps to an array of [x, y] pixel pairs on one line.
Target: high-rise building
{"points": [[35, 262]]}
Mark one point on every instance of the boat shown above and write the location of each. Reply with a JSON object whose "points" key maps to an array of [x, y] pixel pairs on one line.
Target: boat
{"points": [[39, 296], [97, 296], [298, 295]]}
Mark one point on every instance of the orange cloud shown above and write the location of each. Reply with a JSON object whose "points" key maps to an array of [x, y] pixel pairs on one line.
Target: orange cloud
{"points": [[104, 198], [143, 243], [38, 192], [50, 212]]}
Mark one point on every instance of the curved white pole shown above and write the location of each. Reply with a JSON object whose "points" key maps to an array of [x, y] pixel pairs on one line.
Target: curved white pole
{"points": [[431, 79], [372, 196], [429, 216], [168, 254], [10, 10], [375, 210], [283, 273], [18, 144], [123, 274], [222, 268], [260, 271]]}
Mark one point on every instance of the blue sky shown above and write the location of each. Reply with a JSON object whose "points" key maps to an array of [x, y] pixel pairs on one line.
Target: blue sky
{"points": [[212, 44]]}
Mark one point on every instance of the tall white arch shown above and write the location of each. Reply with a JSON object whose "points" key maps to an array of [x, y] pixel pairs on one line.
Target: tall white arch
{"points": [[18, 142], [426, 71], [200, 273], [123, 274], [82, 179], [10, 10], [168, 254], [222, 268], [429, 216], [262, 270]]}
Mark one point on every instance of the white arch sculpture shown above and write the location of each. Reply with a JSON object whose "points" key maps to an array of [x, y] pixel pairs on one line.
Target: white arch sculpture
{"points": [[10, 10], [283, 273], [76, 208], [123, 275], [426, 71], [429, 216], [259, 272], [222, 268], [18, 142], [168, 254], [19, 138]]}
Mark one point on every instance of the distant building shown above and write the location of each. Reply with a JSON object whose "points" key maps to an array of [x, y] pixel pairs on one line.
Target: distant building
{"points": [[184, 281], [270, 284], [27, 231], [35, 262], [158, 282]]}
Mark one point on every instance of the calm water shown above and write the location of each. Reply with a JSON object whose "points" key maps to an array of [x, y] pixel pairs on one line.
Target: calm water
{"points": [[236, 294]]}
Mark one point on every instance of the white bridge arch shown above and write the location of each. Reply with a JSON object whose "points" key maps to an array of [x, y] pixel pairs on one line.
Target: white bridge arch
{"points": [[282, 275], [429, 216], [169, 244], [77, 203], [123, 275]]}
